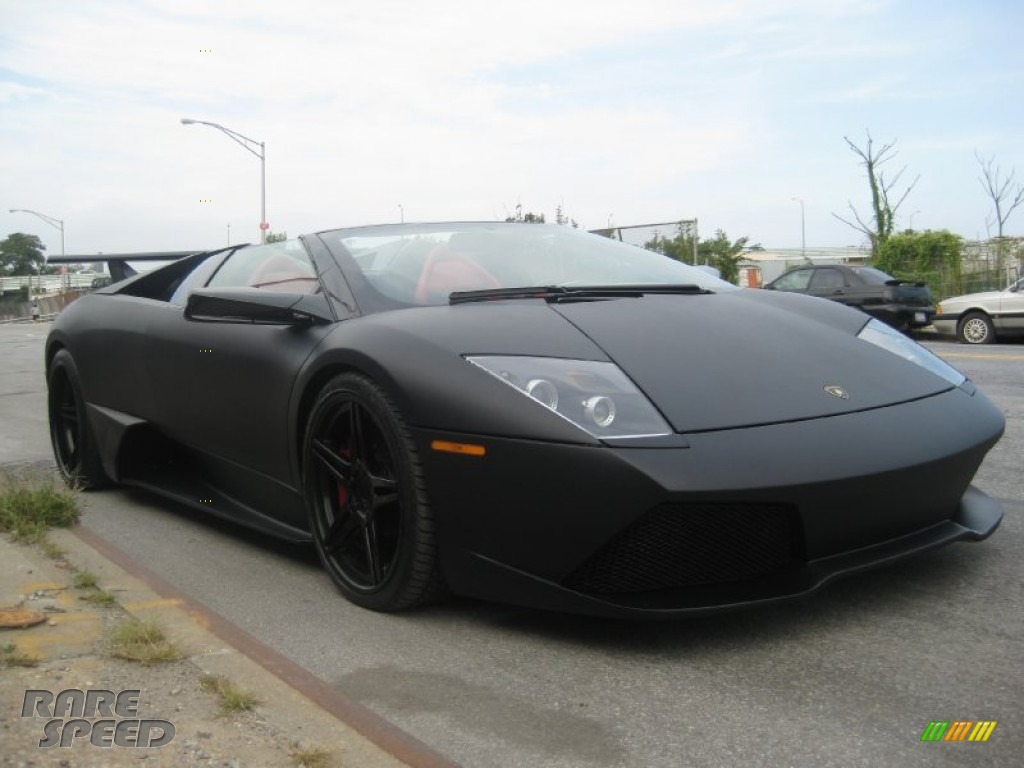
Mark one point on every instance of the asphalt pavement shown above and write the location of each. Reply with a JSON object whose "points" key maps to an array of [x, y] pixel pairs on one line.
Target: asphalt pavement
{"points": [[851, 676]]}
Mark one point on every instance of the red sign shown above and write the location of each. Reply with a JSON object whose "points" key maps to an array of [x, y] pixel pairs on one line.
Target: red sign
{"points": [[264, 225]]}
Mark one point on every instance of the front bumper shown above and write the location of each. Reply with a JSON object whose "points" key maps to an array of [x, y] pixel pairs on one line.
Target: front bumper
{"points": [[737, 517]]}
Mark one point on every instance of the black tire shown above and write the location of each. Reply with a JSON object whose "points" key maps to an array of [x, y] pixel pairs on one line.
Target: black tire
{"points": [[366, 499], [975, 328], [74, 445]]}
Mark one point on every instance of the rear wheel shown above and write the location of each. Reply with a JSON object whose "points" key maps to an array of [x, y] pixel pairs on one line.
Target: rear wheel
{"points": [[976, 328], [367, 503], [74, 446]]}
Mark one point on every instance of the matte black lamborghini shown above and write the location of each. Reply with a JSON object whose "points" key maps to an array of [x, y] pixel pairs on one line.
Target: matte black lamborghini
{"points": [[524, 413]]}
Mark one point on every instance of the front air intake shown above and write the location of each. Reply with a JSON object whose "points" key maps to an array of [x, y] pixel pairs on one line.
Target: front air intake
{"points": [[685, 545]]}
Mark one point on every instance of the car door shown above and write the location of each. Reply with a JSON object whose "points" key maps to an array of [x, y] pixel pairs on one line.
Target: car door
{"points": [[831, 283], [1011, 309], [225, 388], [795, 281]]}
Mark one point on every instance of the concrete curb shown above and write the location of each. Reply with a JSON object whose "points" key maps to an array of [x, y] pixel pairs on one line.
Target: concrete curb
{"points": [[295, 706]]}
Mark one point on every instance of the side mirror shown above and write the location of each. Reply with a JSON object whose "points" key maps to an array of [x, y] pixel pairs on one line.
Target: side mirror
{"points": [[256, 307]]}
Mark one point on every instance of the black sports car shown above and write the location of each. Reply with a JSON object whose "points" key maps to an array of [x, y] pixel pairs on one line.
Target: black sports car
{"points": [[521, 412]]}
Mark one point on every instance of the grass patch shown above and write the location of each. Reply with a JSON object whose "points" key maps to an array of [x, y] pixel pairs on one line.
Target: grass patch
{"points": [[99, 597], [10, 656], [29, 508], [232, 698], [309, 757], [141, 641], [85, 580], [51, 550]]}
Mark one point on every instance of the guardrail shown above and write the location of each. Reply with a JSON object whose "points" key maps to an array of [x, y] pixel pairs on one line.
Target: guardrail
{"points": [[28, 319], [48, 283]]}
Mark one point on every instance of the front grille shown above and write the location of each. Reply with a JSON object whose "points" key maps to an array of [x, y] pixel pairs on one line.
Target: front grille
{"points": [[685, 545]]}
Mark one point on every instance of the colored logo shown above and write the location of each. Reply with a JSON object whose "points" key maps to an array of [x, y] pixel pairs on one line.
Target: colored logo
{"points": [[959, 730]]}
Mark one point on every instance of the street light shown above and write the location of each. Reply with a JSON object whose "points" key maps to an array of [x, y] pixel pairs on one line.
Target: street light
{"points": [[912, 220], [401, 214], [55, 223], [248, 144], [803, 228]]}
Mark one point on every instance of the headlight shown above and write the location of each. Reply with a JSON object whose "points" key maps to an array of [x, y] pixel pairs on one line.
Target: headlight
{"points": [[597, 397], [887, 337]]}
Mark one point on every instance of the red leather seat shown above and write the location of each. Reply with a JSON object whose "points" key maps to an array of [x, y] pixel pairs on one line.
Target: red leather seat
{"points": [[284, 275], [446, 271]]}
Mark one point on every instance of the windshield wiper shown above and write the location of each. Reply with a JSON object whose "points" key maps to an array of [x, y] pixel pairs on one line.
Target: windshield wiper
{"points": [[561, 293]]}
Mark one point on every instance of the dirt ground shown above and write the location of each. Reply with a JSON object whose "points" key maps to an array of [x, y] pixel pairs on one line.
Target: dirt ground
{"points": [[70, 649]]}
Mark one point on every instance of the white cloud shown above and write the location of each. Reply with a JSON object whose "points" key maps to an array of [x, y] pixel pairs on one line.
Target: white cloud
{"points": [[461, 109]]}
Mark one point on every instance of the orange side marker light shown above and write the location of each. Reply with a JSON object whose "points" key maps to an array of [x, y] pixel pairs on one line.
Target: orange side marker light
{"points": [[466, 449]]}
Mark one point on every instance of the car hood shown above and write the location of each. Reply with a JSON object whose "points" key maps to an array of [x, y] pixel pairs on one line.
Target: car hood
{"points": [[743, 358]]}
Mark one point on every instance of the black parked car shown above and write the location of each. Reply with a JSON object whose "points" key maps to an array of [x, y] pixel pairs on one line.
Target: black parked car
{"points": [[903, 304]]}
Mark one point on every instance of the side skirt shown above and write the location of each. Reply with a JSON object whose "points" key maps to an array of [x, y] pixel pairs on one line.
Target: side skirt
{"points": [[135, 453]]}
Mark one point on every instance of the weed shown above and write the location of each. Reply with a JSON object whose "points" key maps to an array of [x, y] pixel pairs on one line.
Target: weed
{"points": [[29, 508], [232, 698], [142, 641], [10, 656], [99, 597], [309, 757], [85, 580], [51, 550]]}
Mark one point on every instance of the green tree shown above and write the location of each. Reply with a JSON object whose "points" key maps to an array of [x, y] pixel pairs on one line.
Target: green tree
{"points": [[276, 237], [883, 209], [525, 218], [679, 247], [936, 257], [719, 251], [21, 254], [529, 217], [561, 218]]}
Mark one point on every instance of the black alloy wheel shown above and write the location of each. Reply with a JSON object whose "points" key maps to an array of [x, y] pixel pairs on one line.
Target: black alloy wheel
{"points": [[74, 447], [365, 495]]}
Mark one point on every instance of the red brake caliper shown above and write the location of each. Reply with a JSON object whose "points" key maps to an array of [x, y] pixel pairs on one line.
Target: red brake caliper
{"points": [[342, 490]]}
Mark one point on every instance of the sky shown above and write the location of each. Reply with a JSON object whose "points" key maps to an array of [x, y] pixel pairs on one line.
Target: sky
{"points": [[728, 111]]}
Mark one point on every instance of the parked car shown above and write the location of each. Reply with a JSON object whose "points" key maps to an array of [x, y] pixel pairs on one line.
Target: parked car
{"points": [[903, 304], [980, 318], [525, 413]]}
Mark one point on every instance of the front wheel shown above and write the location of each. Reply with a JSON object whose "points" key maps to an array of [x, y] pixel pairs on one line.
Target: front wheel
{"points": [[367, 502], [976, 328]]}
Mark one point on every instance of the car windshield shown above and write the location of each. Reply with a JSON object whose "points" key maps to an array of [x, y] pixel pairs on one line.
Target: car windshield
{"points": [[420, 265]]}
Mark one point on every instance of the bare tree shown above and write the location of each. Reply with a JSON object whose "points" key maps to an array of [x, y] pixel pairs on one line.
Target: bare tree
{"points": [[883, 210], [1001, 191]]}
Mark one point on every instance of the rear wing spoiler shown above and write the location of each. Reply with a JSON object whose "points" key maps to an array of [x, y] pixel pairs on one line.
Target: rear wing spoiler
{"points": [[117, 263]]}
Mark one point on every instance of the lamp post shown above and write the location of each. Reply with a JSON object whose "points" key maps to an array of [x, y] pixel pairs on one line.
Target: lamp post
{"points": [[401, 214], [912, 220], [803, 228], [55, 223], [249, 145]]}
